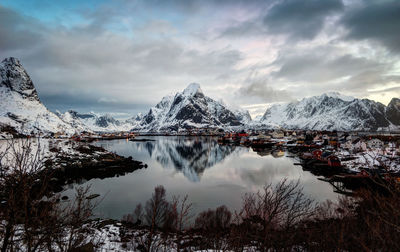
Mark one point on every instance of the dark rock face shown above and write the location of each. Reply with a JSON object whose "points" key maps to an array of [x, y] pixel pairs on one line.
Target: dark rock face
{"points": [[14, 77], [105, 121], [393, 111], [149, 117], [227, 117], [192, 113]]}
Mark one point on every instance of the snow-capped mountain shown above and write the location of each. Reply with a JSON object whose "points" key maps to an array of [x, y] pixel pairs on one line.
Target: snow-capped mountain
{"points": [[21, 111], [189, 109], [20, 107], [136, 119], [242, 115], [99, 123], [333, 111]]}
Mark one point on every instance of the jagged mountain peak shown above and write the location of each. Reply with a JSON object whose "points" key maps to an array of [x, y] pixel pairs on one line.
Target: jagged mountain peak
{"points": [[20, 107], [12, 61], [393, 111], [189, 109], [192, 89], [14, 77], [338, 95], [394, 102]]}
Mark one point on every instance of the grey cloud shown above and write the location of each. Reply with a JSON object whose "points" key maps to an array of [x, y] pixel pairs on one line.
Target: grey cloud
{"points": [[320, 69], [375, 20], [194, 6], [300, 19], [17, 31], [316, 66], [262, 90], [371, 79], [84, 104], [390, 89], [241, 29]]}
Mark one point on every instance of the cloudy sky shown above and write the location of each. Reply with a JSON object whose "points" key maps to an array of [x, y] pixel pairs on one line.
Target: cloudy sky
{"points": [[123, 56]]}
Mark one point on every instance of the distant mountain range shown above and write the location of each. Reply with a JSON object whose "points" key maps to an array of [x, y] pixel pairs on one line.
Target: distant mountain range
{"points": [[333, 111], [98, 123], [22, 110]]}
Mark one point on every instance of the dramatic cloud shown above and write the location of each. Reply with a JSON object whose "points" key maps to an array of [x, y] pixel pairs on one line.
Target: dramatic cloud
{"points": [[377, 21], [300, 19], [14, 32], [262, 90], [318, 66], [124, 56]]}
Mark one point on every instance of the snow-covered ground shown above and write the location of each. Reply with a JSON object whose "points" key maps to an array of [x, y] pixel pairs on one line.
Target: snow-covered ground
{"points": [[41, 149], [371, 158]]}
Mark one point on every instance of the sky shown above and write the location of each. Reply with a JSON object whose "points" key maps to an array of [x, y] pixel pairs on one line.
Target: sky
{"points": [[122, 56]]}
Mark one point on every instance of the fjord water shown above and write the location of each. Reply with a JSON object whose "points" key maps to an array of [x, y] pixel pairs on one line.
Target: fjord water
{"points": [[210, 174]]}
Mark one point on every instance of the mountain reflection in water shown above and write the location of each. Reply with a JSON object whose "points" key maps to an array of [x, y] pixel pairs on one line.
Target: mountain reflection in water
{"points": [[191, 156]]}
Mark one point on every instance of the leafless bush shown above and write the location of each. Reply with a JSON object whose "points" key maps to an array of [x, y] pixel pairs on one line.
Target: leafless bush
{"points": [[269, 217], [156, 208], [181, 208], [380, 215], [72, 217], [214, 227], [135, 217], [21, 167], [162, 218], [156, 215], [214, 220], [32, 218]]}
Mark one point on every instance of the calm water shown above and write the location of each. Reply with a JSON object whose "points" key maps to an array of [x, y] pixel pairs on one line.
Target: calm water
{"points": [[212, 175]]}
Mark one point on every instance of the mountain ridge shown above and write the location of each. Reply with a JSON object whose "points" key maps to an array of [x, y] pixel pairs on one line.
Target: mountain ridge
{"points": [[22, 109], [333, 112]]}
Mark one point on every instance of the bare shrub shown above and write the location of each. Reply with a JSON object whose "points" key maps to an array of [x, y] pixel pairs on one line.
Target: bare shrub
{"points": [[72, 217], [156, 208], [214, 226], [135, 217], [182, 208], [214, 220], [156, 214], [32, 218], [269, 217]]}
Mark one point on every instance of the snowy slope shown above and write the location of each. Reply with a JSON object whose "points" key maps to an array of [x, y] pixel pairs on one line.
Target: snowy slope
{"points": [[20, 106], [242, 115], [330, 111], [188, 109], [99, 123]]}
